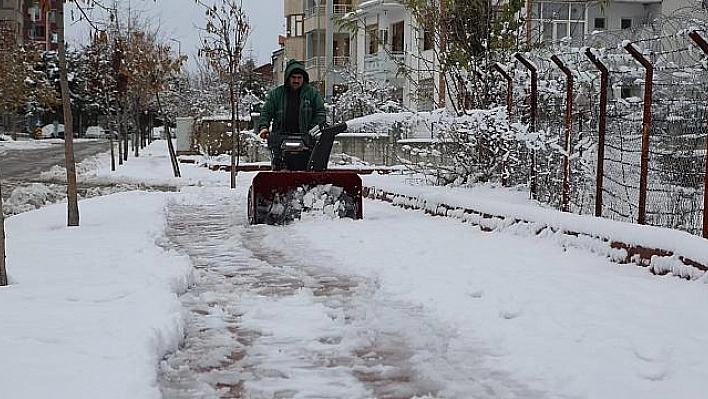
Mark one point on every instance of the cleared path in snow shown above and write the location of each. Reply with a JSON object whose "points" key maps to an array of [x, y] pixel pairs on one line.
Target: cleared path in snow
{"points": [[270, 321], [403, 305]]}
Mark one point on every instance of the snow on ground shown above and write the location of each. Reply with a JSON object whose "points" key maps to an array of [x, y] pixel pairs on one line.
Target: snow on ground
{"points": [[92, 310], [7, 144]]}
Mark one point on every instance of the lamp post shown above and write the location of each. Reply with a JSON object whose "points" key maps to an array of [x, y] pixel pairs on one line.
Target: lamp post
{"points": [[319, 43]]}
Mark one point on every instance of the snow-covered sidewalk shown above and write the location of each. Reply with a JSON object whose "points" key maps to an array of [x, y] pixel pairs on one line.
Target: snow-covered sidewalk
{"points": [[399, 304]]}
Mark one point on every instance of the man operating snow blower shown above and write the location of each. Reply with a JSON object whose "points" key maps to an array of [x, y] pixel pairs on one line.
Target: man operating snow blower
{"points": [[294, 108], [300, 144]]}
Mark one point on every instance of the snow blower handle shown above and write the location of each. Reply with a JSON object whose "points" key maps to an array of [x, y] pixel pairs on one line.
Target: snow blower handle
{"points": [[324, 139], [317, 131]]}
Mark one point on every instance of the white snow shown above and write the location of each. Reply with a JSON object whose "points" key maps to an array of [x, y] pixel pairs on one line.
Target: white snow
{"points": [[91, 310]]}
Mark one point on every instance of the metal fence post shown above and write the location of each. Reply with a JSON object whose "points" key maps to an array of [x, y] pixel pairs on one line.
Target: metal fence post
{"points": [[704, 46], [509, 109], [565, 206], [646, 129], [509, 88], [601, 129], [532, 121]]}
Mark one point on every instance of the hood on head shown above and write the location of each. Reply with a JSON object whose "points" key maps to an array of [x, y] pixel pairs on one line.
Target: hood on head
{"points": [[291, 66]]}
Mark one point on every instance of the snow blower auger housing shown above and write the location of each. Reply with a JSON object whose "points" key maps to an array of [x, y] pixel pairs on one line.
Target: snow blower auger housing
{"points": [[300, 182]]}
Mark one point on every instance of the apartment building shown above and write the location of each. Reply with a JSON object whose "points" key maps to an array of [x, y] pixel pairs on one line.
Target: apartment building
{"points": [[29, 23], [387, 37], [384, 40], [40, 27], [11, 18], [313, 37], [552, 21]]}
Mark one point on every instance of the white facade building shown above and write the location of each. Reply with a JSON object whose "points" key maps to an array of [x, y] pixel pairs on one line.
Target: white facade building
{"points": [[388, 37]]}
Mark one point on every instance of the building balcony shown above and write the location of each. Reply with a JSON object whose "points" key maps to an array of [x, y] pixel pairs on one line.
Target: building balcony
{"points": [[314, 62], [337, 9], [316, 10], [383, 62], [341, 61], [340, 9], [316, 17], [318, 65]]}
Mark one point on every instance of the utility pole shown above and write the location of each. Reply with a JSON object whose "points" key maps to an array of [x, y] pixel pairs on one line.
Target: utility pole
{"points": [[329, 45], [443, 48], [318, 49]]}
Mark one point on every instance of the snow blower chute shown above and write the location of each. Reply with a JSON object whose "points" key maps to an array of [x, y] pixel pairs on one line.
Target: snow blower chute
{"points": [[300, 181]]}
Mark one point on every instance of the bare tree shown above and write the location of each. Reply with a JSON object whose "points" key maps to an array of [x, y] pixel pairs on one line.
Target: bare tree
{"points": [[23, 82], [101, 81], [3, 269], [227, 29], [162, 70], [20, 85], [71, 189], [465, 36], [72, 192]]}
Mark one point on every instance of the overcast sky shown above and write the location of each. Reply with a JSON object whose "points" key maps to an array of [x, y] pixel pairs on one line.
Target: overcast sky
{"points": [[182, 20]]}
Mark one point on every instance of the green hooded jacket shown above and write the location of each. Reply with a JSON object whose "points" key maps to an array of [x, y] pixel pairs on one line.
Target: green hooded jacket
{"points": [[312, 110]]}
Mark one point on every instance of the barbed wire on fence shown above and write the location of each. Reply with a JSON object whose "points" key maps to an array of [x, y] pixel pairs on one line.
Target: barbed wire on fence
{"points": [[676, 167]]}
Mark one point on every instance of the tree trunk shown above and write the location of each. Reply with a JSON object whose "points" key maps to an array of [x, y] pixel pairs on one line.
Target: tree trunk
{"points": [[3, 270], [234, 137], [111, 141], [121, 131], [138, 132], [71, 190], [170, 146], [126, 137], [112, 126]]}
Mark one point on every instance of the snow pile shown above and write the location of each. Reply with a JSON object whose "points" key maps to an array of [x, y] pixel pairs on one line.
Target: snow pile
{"points": [[320, 201], [33, 196]]}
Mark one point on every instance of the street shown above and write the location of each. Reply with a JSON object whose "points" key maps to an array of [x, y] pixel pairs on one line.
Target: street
{"points": [[21, 166]]}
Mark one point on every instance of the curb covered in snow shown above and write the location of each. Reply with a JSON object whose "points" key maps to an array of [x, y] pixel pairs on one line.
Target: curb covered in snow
{"points": [[646, 253]]}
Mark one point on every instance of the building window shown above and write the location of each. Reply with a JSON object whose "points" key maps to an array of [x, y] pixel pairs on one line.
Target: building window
{"points": [[426, 94], [342, 6], [626, 23], [560, 20], [9, 4], [372, 39], [34, 14], [428, 39], [599, 23], [397, 37], [39, 32], [296, 27]]}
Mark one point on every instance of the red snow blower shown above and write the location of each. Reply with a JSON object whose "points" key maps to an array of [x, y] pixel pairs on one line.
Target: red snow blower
{"points": [[300, 182]]}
